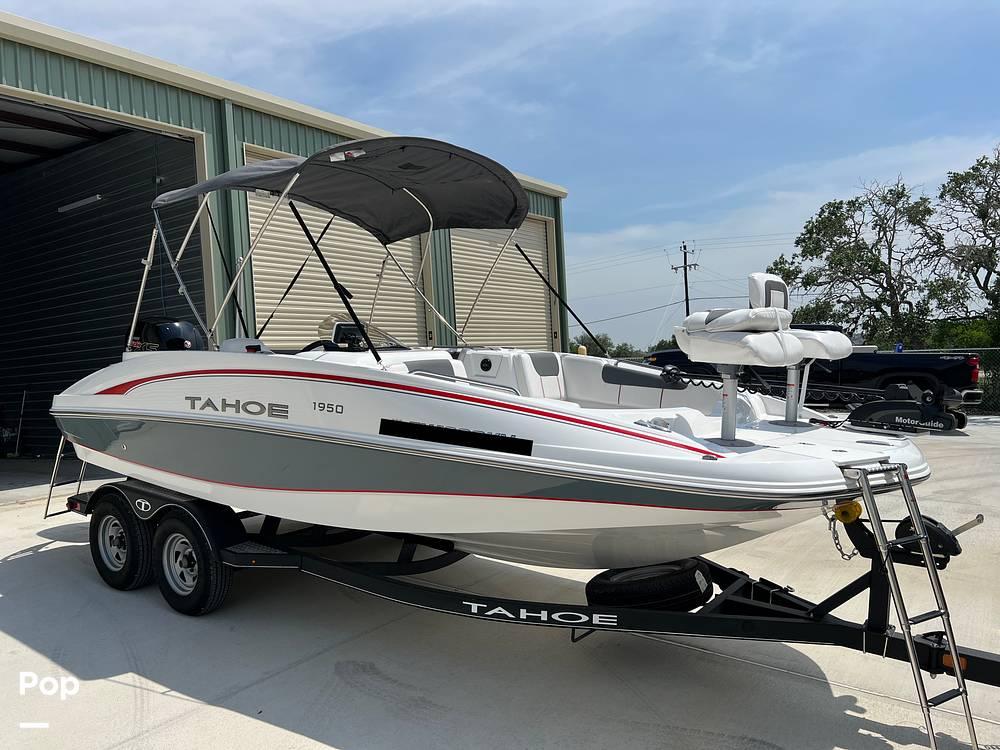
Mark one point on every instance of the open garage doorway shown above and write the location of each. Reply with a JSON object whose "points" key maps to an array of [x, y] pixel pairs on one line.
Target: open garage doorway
{"points": [[75, 224]]}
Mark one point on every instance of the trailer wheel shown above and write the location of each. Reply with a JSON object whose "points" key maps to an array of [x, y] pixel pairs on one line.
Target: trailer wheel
{"points": [[677, 586], [191, 577], [121, 544]]}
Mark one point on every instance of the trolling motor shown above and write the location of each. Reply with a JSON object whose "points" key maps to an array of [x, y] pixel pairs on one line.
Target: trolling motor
{"points": [[907, 408]]}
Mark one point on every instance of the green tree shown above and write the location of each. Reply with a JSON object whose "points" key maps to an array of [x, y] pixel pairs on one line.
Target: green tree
{"points": [[862, 264], [582, 339], [662, 344], [965, 232], [623, 350]]}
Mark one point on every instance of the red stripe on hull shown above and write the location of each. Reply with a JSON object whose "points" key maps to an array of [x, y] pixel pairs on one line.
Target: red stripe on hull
{"points": [[124, 388], [443, 494]]}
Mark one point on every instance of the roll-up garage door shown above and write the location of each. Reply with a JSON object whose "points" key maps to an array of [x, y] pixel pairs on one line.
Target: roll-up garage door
{"points": [[72, 232], [515, 308], [355, 257]]}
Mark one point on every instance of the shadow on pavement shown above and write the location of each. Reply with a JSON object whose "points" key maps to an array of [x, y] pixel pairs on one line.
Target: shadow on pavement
{"points": [[352, 671], [21, 473]]}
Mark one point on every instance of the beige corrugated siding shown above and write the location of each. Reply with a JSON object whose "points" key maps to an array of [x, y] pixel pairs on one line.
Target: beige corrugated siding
{"points": [[355, 257], [514, 309]]}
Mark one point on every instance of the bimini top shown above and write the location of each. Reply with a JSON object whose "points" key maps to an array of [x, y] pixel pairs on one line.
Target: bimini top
{"points": [[363, 181]]}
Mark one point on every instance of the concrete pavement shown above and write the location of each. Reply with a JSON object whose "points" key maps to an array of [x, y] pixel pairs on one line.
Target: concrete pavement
{"points": [[295, 662]]}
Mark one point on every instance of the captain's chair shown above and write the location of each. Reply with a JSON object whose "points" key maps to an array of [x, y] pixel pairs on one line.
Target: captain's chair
{"points": [[768, 291], [757, 336]]}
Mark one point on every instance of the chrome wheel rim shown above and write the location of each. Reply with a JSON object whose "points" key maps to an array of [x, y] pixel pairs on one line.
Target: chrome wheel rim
{"points": [[180, 564], [112, 543]]}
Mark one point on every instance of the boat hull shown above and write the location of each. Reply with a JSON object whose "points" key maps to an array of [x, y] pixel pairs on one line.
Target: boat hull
{"points": [[501, 509]]}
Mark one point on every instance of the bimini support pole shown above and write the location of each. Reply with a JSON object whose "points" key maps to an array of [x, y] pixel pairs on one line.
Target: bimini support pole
{"points": [[427, 302], [190, 231], [563, 302], [489, 273], [378, 285], [246, 258], [181, 288], [345, 296], [147, 263], [423, 256], [430, 232], [420, 269], [295, 278]]}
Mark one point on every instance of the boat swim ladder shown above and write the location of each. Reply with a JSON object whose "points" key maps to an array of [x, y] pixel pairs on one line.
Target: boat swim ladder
{"points": [[886, 547]]}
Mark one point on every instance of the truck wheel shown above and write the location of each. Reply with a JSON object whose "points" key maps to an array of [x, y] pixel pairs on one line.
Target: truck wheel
{"points": [[677, 586], [961, 419], [191, 577], [121, 544]]}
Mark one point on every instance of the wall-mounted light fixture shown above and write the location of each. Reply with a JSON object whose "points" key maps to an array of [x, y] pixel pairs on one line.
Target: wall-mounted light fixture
{"points": [[78, 204]]}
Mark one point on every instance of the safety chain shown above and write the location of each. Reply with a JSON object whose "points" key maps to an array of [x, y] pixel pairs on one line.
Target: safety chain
{"points": [[832, 521]]}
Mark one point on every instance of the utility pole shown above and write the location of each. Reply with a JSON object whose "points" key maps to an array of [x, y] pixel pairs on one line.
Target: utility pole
{"points": [[685, 266]]}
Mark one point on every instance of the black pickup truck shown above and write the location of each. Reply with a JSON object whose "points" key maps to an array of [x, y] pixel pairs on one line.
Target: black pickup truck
{"points": [[866, 370]]}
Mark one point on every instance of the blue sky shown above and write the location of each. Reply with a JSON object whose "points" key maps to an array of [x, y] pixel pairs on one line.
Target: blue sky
{"points": [[723, 124]]}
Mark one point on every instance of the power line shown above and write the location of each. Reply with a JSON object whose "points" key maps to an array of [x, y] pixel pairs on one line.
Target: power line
{"points": [[612, 261], [650, 309], [696, 282], [744, 239]]}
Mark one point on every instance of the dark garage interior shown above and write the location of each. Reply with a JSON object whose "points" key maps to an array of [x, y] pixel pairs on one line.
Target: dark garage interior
{"points": [[75, 224]]}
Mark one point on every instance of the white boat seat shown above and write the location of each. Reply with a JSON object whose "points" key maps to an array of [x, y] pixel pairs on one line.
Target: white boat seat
{"points": [[584, 384], [763, 349], [823, 344], [768, 291], [245, 346], [747, 320], [548, 367], [434, 362]]}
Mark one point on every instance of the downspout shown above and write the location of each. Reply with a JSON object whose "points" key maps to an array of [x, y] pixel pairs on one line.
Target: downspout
{"points": [[561, 277]]}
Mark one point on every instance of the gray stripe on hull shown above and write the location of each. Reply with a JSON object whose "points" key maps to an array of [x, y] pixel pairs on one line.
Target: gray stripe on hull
{"points": [[225, 455]]}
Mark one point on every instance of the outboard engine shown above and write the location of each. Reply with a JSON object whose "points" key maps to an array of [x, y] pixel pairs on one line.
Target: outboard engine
{"points": [[166, 335]]}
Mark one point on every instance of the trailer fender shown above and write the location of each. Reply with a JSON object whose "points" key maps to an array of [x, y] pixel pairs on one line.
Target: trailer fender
{"points": [[219, 523]]}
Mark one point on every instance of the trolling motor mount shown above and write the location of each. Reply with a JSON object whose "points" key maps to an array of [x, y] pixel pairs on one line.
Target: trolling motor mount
{"points": [[907, 408]]}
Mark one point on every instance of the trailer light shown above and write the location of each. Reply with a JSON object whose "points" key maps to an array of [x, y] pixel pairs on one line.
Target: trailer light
{"points": [[72, 505], [948, 663], [848, 512]]}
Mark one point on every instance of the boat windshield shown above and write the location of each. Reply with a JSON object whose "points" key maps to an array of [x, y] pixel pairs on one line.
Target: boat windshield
{"points": [[340, 329]]}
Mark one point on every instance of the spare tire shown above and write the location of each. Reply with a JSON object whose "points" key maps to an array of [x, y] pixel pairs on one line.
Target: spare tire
{"points": [[677, 586]]}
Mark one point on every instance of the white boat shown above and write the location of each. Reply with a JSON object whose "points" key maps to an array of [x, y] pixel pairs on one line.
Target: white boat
{"points": [[529, 456]]}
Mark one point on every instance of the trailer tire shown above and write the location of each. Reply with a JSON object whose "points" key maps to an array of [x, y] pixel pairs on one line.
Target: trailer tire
{"points": [[189, 572], [121, 544], [677, 586]]}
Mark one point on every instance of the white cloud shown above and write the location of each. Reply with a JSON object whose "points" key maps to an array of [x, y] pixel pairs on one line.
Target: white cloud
{"points": [[273, 46], [776, 204]]}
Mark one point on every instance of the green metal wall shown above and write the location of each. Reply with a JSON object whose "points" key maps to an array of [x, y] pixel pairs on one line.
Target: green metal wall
{"points": [[227, 127], [45, 72], [541, 204], [442, 287]]}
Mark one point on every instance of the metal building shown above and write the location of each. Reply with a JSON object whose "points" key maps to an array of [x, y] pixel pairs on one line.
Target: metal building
{"points": [[91, 133]]}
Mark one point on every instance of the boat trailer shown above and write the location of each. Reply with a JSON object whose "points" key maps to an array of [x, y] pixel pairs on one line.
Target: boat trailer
{"points": [[744, 608]]}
